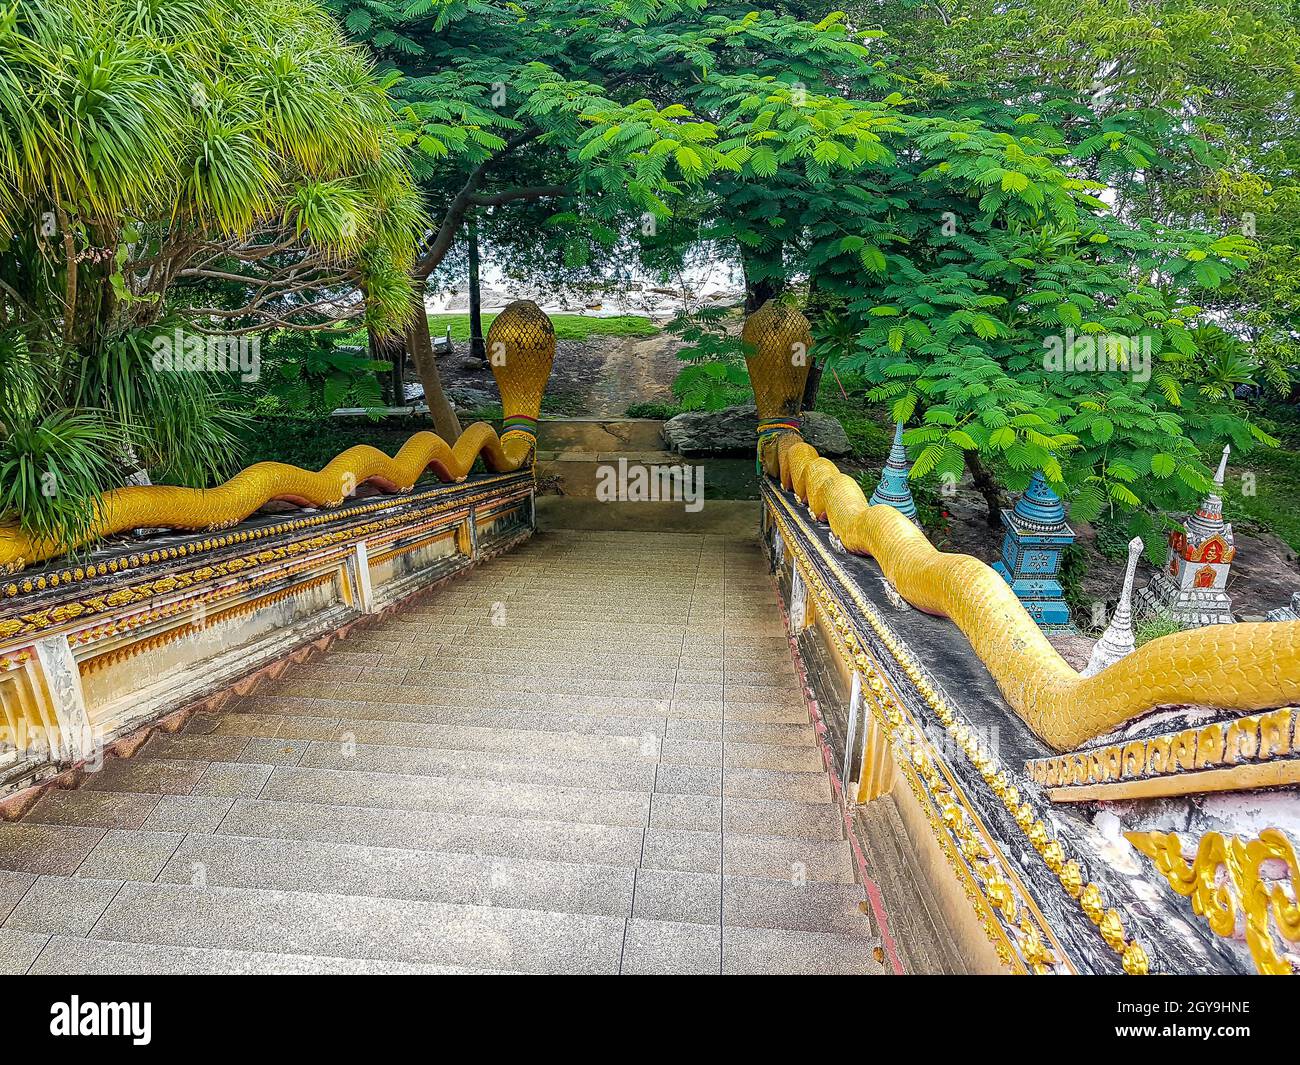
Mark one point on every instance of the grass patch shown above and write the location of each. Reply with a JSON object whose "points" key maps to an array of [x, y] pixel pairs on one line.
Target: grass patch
{"points": [[567, 326], [1152, 628], [1277, 488], [662, 411], [870, 439]]}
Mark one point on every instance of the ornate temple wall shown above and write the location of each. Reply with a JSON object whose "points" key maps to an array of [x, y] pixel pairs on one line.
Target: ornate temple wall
{"points": [[94, 650]]}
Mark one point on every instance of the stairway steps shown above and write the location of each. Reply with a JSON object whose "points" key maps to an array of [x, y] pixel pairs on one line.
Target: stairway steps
{"points": [[363, 927], [366, 929], [514, 717], [475, 833], [422, 733], [477, 880], [768, 951], [91, 809], [759, 817], [103, 957], [704, 898], [405, 704], [350, 869], [45, 850], [306, 889], [783, 858], [540, 786], [622, 777], [635, 754]]}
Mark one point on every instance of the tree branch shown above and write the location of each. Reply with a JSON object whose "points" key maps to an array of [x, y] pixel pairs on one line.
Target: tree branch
{"points": [[529, 192], [428, 258]]}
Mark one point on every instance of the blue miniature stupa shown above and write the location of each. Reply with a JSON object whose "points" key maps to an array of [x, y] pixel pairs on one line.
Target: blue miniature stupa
{"points": [[893, 490], [1031, 553]]}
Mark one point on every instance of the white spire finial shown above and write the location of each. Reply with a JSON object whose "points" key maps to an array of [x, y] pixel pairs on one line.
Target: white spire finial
{"points": [[1117, 641], [1223, 466]]}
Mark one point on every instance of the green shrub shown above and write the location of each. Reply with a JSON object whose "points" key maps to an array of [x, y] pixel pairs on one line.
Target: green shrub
{"points": [[660, 411], [1153, 628]]}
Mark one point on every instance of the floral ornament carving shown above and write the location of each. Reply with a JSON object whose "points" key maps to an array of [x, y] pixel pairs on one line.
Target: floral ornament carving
{"points": [[1225, 883]]}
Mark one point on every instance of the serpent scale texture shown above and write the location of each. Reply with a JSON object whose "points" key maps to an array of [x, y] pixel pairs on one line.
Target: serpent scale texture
{"points": [[523, 340], [1244, 666]]}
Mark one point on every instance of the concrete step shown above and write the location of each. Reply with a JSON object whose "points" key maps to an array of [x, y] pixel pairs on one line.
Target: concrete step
{"points": [[399, 709], [362, 927], [718, 517], [65, 955], [625, 762], [600, 434], [66, 842], [782, 952], [348, 869], [351, 869], [756, 817], [671, 948], [473, 833], [699, 898]]}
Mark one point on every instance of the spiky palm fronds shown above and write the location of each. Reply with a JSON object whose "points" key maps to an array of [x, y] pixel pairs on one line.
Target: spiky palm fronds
{"points": [[208, 164]]}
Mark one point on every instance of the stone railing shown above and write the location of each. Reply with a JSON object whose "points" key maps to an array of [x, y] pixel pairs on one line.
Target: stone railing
{"points": [[937, 687], [135, 633], [100, 646]]}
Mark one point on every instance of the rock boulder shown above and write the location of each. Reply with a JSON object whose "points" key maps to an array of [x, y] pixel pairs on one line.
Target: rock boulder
{"points": [[730, 431]]}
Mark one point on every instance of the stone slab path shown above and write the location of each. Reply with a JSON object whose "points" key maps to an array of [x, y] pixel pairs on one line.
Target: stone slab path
{"points": [[590, 756]]}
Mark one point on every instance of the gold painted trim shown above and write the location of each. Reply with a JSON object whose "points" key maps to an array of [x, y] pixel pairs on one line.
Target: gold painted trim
{"points": [[38, 622], [1067, 870], [1217, 754], [1238, 778], [150, 643], [76, 574], [1243, 887]]}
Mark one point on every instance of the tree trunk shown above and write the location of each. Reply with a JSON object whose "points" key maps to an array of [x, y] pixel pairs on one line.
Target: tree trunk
{"points": [[763, 276], [420, 345], [987, 487], [392, 350], [815, 311], [477, 345], [813, 384]]}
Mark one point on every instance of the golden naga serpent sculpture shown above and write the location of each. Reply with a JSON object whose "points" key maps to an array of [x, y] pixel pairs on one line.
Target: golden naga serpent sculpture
{"points": [[521, 347], [1237, 667]]}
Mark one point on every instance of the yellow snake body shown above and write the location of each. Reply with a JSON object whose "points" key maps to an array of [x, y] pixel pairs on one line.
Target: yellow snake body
{"points": [[1235, 667], [1246, 666], [522, 343], [163, 506]]}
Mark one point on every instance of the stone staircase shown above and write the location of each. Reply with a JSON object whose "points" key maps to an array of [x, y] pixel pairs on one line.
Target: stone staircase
{"points": [[570, 452], [589, 755]]}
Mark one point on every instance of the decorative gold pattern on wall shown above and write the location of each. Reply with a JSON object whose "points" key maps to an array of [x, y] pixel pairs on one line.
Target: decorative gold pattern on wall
{"points": [[1251, 751], [28, 719], [975, 859], [75, 574], [38, 621], [189, 628], [1236, 667], [1241, 888]]}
